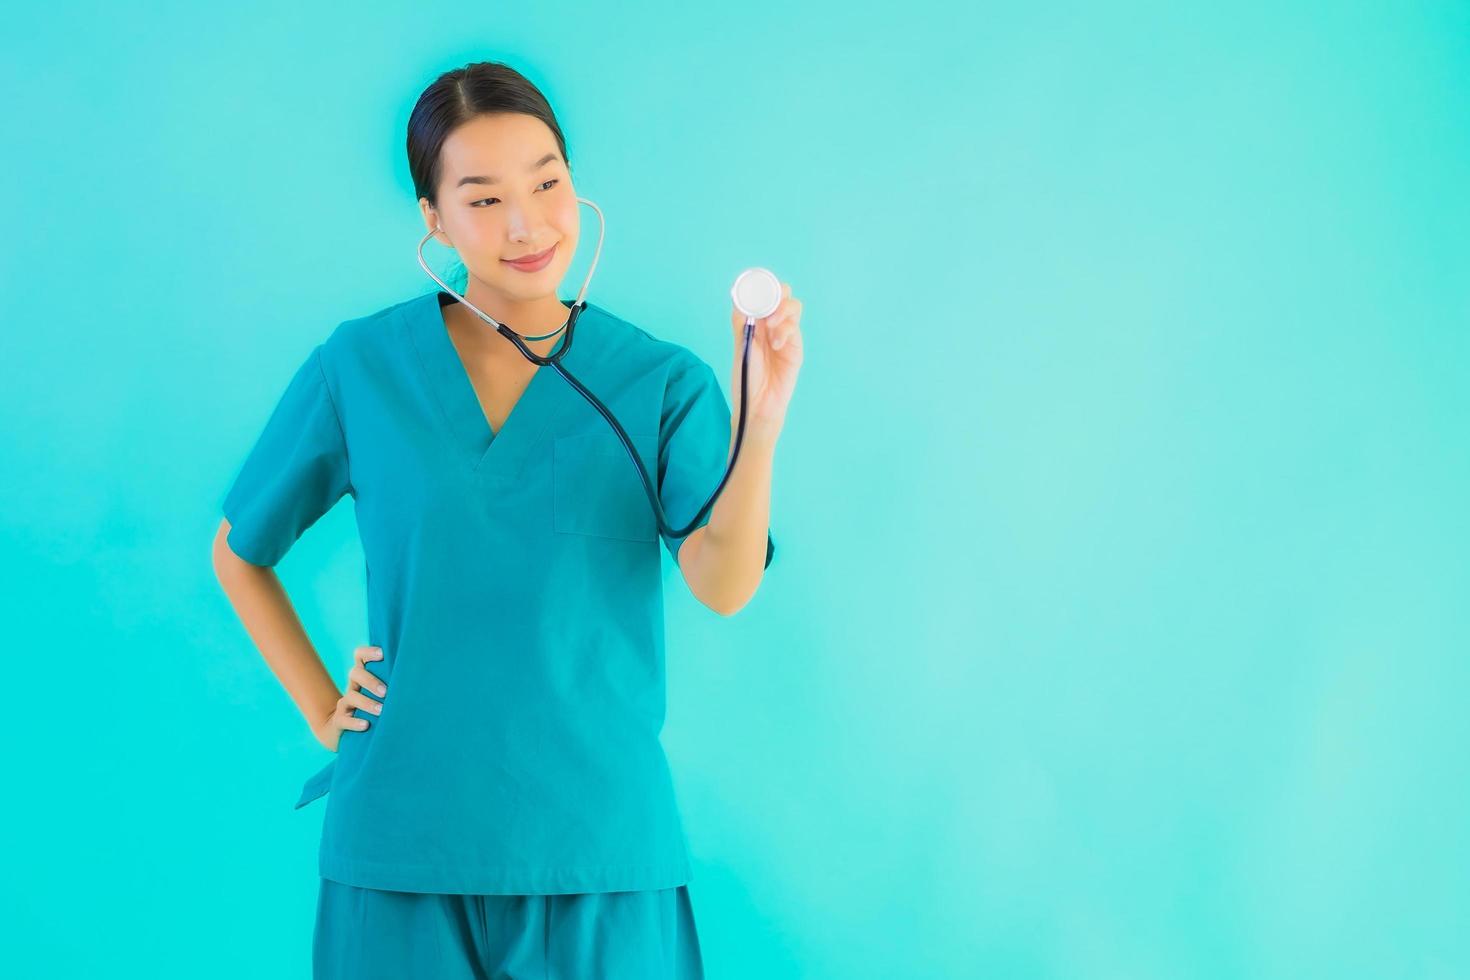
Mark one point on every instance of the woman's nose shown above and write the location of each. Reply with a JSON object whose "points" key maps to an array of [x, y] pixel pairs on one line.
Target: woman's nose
{"points": [[519, 224]]}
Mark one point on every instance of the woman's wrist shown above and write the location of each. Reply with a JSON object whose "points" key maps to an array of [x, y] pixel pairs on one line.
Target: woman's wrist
{"points": [[758, 432]]}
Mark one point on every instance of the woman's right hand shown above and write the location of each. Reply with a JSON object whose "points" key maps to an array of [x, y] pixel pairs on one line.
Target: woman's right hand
{"points": [[358, 678]]}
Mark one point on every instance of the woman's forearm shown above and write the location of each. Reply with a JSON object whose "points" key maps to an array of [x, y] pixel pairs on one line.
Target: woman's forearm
{"points": [[271, 620], [724, 561]]}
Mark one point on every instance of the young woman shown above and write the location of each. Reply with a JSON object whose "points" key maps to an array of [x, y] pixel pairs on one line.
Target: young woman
{"points": [[500, 803]]}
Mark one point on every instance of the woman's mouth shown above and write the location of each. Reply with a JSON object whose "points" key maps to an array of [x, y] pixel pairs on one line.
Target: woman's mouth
{"points": [[532, 263]]}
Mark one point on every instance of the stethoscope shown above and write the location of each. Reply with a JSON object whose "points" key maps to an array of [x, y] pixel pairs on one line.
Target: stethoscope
{"points": [[757, 294]]}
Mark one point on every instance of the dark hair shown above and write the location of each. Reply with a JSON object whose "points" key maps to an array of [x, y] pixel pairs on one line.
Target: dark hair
{"points": [[455, 98]]}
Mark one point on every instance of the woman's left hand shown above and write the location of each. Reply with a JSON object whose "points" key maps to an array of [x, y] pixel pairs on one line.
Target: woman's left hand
{"points": [[775, 360]]}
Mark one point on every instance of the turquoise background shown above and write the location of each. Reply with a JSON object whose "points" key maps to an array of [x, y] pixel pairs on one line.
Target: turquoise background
{"points": [[1118, 622]]}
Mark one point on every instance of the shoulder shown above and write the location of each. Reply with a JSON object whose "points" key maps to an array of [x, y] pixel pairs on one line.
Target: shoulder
{"points": [[366, 330], [361, 341], [645, 350]]}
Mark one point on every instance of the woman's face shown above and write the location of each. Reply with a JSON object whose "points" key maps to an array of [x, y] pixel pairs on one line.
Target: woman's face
{"points": [[505, 193]]}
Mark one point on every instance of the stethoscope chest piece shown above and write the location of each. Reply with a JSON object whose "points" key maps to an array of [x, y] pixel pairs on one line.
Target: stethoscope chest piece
{"points": [[757, 292]]}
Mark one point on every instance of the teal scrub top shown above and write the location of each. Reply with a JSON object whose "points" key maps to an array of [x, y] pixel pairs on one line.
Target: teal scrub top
{"points": [[514, 584]]}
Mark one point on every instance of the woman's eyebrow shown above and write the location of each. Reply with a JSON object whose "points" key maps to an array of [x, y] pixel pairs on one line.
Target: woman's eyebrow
{"points": [[495, 180]]}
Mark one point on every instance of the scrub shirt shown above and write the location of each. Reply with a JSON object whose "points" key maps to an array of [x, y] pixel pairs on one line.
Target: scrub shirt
{"points": [[514, 584]]}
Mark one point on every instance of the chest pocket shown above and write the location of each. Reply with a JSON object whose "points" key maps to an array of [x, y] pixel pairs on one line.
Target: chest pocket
{"points": [[596, 489]]}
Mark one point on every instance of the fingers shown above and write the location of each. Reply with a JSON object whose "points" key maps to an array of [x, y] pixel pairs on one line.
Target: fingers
{"points": [[784, 323], [360, 679], [778, 329], [357, 699], [359, 675], [345, 719], [360, 654]]}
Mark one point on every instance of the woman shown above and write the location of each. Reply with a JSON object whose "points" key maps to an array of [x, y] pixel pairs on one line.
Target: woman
{"points": [[507, 809]]}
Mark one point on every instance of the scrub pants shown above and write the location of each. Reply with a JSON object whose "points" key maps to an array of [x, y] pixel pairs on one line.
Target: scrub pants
{"points": [[370, 934]]}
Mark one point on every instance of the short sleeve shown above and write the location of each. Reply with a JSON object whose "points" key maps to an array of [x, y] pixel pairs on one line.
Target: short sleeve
{"points": [[294, 474], [694, 447]]}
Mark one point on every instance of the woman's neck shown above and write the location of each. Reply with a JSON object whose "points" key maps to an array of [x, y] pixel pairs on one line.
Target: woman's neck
{"points": [[529, 318]]}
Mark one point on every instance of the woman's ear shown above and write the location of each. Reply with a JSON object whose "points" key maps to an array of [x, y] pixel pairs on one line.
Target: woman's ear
{"points": [[431, 222]]}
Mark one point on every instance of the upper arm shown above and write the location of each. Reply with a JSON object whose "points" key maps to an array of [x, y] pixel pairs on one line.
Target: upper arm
{"points": [[294, 473]]}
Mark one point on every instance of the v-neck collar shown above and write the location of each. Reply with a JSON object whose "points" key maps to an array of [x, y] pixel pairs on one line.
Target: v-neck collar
{"points": [[486, 455]]}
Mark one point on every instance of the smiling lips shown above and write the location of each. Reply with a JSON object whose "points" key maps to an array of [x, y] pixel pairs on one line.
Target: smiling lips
{"points": [[532, 263]]}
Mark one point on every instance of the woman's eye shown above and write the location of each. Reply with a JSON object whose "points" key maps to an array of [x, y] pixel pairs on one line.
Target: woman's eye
{"points": [[483, 200]]}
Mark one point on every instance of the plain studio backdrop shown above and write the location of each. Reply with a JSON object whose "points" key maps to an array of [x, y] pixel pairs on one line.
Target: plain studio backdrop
{"points": [[1118, 622]]}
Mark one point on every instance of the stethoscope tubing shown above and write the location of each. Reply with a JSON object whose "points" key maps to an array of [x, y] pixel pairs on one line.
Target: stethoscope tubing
{"points": [[553, 360]]}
